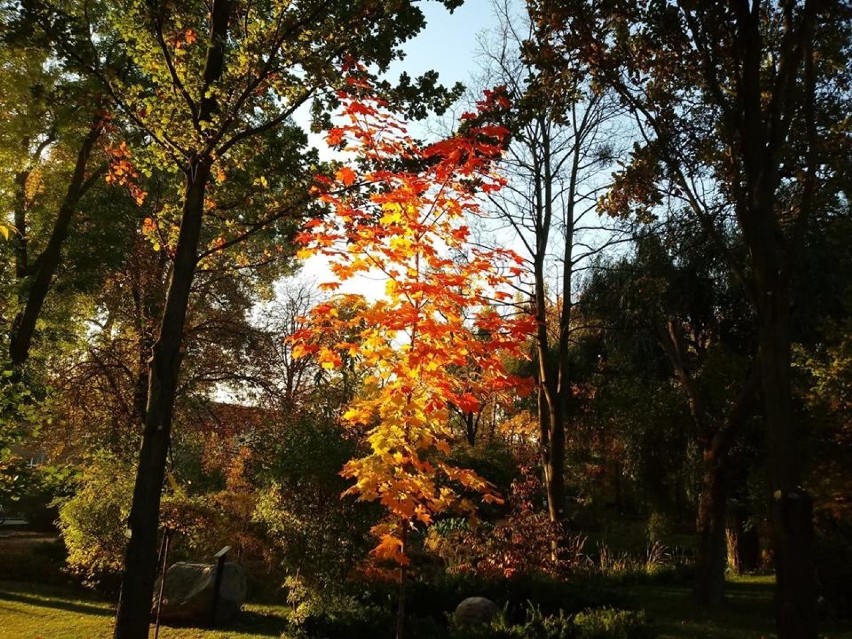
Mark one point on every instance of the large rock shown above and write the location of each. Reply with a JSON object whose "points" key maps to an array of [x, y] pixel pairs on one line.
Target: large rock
{"points": [[476, 610], [188, 592]]}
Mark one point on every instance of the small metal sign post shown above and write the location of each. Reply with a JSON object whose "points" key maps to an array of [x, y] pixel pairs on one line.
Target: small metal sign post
{"points": [[164, 555], [217, 582]]}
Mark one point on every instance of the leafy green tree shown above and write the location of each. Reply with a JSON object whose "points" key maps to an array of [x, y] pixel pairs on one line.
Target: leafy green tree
{"points": [[766, 81], [680, 293], [206, 85], [52, 156]]}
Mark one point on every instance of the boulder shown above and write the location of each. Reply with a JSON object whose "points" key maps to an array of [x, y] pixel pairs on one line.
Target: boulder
{"points": [[476, 610], [188, 592]]}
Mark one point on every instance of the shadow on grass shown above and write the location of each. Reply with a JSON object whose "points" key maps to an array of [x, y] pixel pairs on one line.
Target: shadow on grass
{"points": [[247, 622], [59, 604], [746, 611]]}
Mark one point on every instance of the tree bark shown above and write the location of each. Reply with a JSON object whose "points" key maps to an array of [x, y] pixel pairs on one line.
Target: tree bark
{"points": [[709, 587], [140, 563], [743, 545], [790, 506], [715, 442], [403, 578], [44, 268]]}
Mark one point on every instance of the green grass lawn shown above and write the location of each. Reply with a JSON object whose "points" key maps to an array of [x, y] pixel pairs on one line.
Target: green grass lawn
{"points": [[31, 611], [746, 614]]}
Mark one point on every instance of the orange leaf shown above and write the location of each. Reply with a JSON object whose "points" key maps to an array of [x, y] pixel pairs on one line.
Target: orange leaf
{"points": [[346, 176]]}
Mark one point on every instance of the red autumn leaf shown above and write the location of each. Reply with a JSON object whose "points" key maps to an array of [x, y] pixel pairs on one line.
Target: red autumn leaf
{"points": [[346, 176]]}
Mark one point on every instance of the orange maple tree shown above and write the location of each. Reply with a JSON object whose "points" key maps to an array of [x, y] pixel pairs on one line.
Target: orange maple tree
{"points": [[399, 211]]}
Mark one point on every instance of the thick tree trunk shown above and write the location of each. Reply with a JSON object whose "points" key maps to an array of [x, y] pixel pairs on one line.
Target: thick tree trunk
{"points": [[140, 564], [762, 134], [709, 588], [790, 506]]}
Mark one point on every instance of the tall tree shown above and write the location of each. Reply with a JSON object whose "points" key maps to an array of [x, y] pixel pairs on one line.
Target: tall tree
{"points": [[434, 323], [206, 84], [678, 291], [561, 147], [764, 79], [52, 157]]}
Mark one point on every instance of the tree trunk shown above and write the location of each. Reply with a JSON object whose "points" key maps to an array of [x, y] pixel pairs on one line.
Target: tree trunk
{"points": [[403, 576], [44, 268], [709, 588], [761, 137], [790, 506], [554, 466], [140, 564]]}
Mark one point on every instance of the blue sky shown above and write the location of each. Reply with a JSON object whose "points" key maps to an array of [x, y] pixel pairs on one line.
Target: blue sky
{"points": [[448, 44]]}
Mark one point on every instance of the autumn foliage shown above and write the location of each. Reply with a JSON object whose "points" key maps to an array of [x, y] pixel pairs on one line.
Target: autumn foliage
{"points": [[399, 213]]}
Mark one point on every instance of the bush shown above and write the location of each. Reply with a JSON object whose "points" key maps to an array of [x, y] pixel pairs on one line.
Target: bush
{"points": [[442, 593], [604, 623], [34, 561], [93, 521], [609, 623], [316, 534], [833, 554], [518, 545], [578, 610], [326, 615]]}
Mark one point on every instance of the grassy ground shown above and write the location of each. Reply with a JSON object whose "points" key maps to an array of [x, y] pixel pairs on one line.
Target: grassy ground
{"points": [[31, 611], [746, 613]]}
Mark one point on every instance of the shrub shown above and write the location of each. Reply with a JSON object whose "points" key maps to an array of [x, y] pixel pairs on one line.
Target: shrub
{"points": [[518, 545], [602, 623], [833, 555], [610, 623], [325, 615], [439, 594], [93, 520]]}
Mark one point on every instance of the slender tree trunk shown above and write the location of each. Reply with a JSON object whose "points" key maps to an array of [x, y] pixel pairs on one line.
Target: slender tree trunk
{"points": [[140, 564], [743, 544], [552, 376], [716, 441], [19, 240], [403, 576], [44, 268]]}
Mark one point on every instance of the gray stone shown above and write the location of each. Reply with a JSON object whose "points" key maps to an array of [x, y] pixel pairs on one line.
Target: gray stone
{"points": [[476, 610], [188, 592]]}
